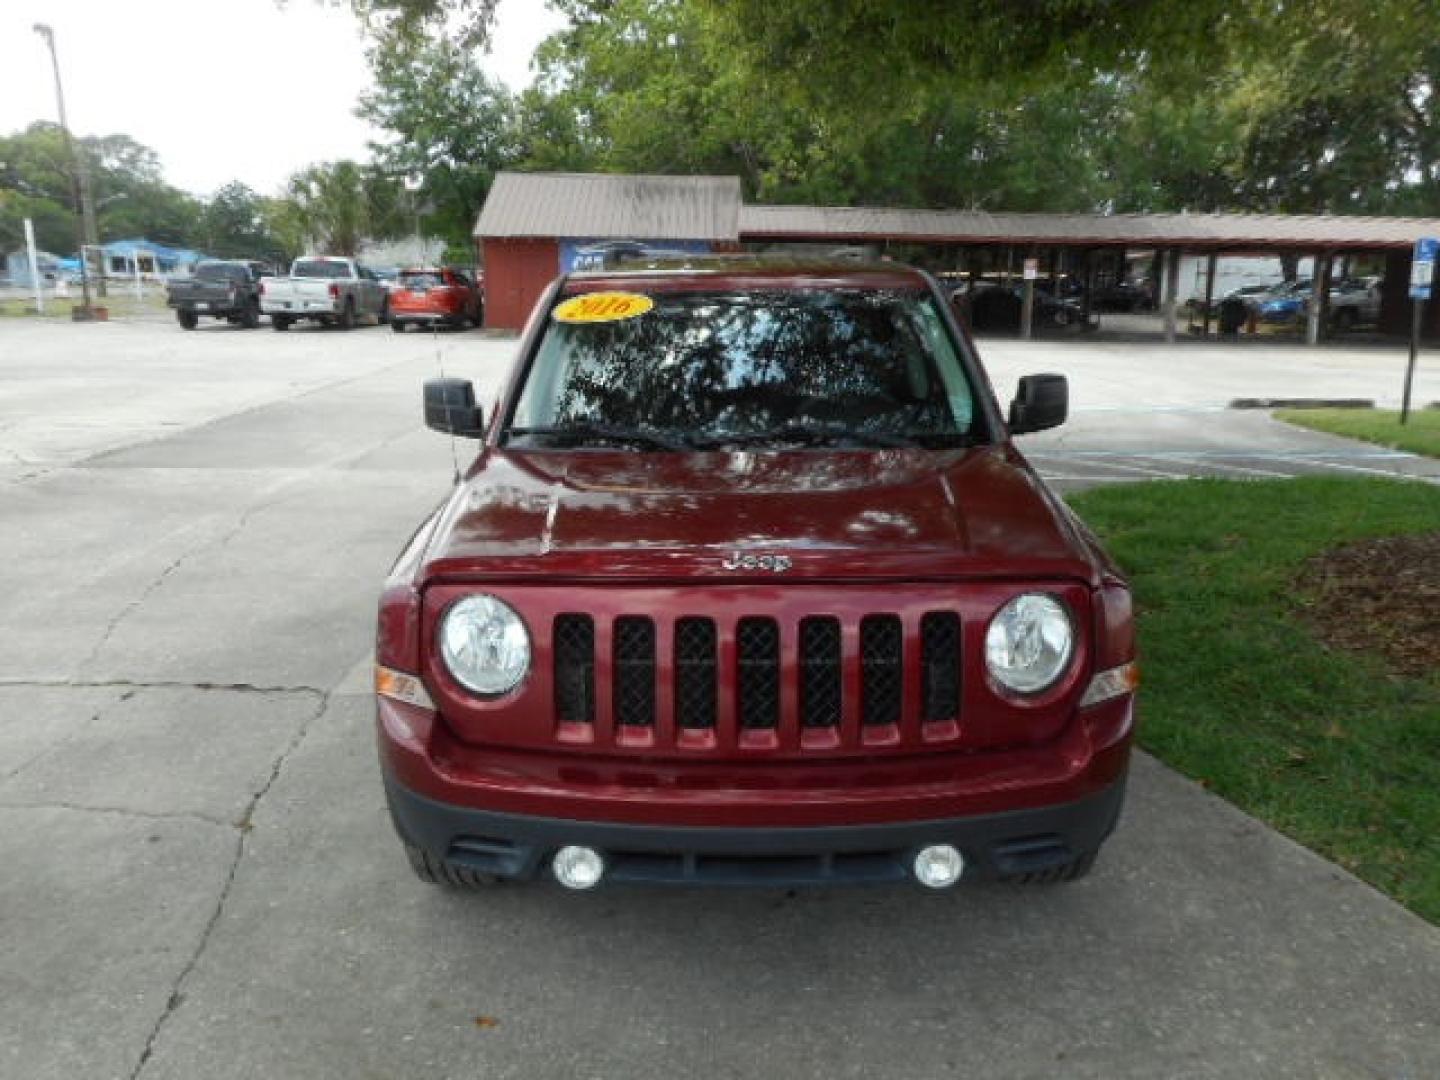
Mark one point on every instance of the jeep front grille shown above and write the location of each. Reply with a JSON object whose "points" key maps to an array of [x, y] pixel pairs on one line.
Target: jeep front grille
{"points": [[747, 680], [634, 683]]}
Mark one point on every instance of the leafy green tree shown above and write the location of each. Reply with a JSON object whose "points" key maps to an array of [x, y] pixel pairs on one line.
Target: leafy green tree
{"points": [[232, 224], [335, 205], [450, 125]]}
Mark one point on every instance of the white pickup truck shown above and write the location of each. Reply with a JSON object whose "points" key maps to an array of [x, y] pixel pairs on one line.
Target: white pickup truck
{"points": [[332, 291]]}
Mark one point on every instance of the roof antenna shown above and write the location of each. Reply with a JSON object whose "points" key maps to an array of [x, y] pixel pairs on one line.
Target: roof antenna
{"points": [[440, 366]]}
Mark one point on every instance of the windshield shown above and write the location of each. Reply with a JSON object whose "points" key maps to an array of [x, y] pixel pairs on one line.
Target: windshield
{"points": [[322, 268], [704, 367], [214, 271]]}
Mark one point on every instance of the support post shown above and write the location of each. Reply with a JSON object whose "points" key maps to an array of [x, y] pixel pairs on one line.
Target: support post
{"points": [[1319, 299], [1087, 264], [1417, 318], [35, 282], [1172, 287], [1210, 264]]}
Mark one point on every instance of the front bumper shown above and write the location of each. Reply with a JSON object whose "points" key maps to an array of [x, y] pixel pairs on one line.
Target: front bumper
{"points": [[1009, 844]]}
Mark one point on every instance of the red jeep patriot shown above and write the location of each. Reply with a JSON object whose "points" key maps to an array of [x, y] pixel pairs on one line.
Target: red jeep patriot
{"points": [[748, 584]]}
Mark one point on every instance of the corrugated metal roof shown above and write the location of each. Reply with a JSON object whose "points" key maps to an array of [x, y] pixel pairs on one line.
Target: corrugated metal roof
{"points": [[1140, 230], [605, 206]]}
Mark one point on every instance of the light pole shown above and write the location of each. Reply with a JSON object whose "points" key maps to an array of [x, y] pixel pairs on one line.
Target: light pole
{"points": [[86, 230]]}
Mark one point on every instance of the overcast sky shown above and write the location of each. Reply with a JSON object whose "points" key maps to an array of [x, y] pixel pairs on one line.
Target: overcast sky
{"points": [[221, 89]]}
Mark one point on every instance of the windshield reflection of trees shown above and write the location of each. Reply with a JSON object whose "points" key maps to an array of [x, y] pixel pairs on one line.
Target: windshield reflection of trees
{"points": [[749, 363]]}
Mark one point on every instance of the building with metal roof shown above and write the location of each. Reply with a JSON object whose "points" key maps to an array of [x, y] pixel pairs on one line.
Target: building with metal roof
{"points": [[1264, 233], [533, 224]]}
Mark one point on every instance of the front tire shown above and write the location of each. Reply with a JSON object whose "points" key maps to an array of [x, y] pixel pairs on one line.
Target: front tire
{"points": [[397, 326], [436, 871], [188, 320], [279, 322], [346, 321]]}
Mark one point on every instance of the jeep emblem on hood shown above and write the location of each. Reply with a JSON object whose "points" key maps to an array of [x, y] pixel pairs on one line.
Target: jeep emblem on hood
{"points": [[776, 564]]}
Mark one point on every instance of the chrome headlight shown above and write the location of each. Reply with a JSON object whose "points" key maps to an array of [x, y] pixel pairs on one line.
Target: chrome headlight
{"points": [[484, 643], [1029, 643]]}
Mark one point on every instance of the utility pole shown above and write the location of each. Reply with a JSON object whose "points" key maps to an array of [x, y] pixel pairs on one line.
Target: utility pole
{"points": [[87, 231]]}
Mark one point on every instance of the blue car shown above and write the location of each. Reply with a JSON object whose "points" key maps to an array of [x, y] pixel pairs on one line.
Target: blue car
{"points": [[1286, 303]]}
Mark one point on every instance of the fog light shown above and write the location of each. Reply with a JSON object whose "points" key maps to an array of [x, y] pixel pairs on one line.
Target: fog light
{"points": [[578, 867], [939, 866]]}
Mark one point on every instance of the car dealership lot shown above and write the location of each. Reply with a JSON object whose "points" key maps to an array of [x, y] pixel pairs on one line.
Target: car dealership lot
{"points": [[200, 880]]}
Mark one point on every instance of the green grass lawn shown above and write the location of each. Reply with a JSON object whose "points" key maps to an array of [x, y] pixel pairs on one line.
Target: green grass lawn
{"points": [[1421, 435], [1238, 692]]}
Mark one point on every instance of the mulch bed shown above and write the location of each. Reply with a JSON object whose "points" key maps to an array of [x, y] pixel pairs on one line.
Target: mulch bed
{"points": [[1379, 596]]}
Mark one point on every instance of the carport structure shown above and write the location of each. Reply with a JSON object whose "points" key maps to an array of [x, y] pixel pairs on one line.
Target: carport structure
{"points": [[1095, 245], [532, 223]]}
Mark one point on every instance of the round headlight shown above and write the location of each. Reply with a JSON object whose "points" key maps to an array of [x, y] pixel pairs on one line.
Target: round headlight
{"points": [[485, 645], [1029, 643]]}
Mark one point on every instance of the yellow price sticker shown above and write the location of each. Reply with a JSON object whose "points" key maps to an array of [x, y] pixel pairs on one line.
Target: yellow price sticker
{"points": [[602, 307]]}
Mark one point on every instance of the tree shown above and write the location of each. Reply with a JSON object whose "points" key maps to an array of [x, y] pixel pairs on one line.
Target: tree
{"points": [[232, 224], [336, 205], [452, 127]]}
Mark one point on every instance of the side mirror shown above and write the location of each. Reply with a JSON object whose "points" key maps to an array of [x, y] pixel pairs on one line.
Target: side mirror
{"points": [[1041, 401], [450, 408]]}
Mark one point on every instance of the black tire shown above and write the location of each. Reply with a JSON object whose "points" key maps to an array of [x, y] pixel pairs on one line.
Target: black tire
{"points": [[250, 317], [435, 871], [1345, 319], [1074, 870], [384, 311], [279, 322], [346, 321], [188, 320], [397, 326]]}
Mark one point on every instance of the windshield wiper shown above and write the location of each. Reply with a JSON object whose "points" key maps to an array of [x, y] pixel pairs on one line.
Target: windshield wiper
{"points": [[585, 431], [811, 434]]}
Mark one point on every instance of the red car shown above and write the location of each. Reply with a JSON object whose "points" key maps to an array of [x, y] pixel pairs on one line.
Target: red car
{"points": [[748, 584], [430, 297]]}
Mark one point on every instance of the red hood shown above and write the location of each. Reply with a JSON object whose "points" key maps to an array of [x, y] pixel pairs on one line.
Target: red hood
{"points": [[903, 514]]}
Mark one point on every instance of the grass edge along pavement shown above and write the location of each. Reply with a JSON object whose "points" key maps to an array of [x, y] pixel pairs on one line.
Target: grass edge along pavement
{"points": [[1421, 435], [1239, 693]]}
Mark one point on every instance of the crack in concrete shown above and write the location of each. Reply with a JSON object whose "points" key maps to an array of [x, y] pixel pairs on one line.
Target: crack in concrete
{"points": [[91, 460], [159, 684], [125, 811], [244, 826], [214, 544]]}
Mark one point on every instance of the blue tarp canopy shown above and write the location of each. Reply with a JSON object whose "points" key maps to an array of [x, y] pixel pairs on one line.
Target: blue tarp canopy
{"points": [[129, 248]]}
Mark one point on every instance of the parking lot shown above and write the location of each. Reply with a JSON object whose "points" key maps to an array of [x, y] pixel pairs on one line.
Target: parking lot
{"points": [[200, 880]]}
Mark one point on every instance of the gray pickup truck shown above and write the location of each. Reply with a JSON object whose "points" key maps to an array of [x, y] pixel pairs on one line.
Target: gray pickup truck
{"points": [[226, 289], [332, 291]]}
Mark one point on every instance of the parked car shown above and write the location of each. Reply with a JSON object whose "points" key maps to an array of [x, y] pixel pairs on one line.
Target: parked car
{"points": [[332, 291], [1284, 303], [748, 583], [1354, 302], [1000, 307], [226, 289], [435, 296], [1123, 296]]}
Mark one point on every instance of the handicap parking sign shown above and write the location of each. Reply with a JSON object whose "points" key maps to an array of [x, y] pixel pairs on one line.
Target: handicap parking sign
{"points": [[1422, 267]]}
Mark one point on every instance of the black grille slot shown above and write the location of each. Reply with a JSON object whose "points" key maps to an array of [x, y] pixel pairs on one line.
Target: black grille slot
{"points": [[634, 671], [881, 682], [940, 665], [820, 671], [695, 672], [757, 648], [573, 641]]}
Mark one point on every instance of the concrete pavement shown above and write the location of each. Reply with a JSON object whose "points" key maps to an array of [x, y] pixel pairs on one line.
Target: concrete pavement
{"points": [[199, 879]]}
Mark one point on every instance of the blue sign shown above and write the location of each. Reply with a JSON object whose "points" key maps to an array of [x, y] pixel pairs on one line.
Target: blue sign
{"points": [[1422, 267]]}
